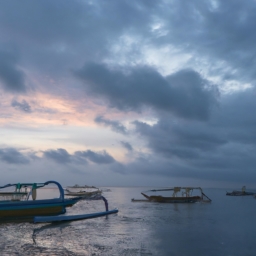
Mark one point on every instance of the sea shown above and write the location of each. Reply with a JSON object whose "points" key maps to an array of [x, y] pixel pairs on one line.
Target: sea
{"points": [[226, 226]]}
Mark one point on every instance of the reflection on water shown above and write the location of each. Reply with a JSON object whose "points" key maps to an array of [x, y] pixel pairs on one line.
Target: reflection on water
{"points": [[224, 227]]}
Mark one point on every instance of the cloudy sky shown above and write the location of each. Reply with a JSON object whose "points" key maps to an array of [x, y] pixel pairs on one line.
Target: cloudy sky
{"points": [[128, 93]]}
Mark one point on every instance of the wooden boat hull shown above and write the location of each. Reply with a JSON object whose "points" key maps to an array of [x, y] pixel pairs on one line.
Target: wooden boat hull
{"points": [[30, 212], [29, 209], [82, 194], [69, 202], [161, 199], [240, 193]]}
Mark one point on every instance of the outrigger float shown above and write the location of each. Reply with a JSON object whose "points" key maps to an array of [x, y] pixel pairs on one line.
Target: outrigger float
{"points": [[180, 195], [22, 204]]}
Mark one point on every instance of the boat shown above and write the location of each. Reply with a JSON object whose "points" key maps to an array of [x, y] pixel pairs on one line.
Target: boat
{"points": [[179, 195], [21, 204], [82, 191], [241, 192]]}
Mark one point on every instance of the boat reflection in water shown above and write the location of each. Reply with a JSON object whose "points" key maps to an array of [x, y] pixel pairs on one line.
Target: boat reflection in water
{"points": [[179, 195]]}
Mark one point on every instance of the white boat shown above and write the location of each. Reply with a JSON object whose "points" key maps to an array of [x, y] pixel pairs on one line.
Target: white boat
{"points": [[82, 191]]}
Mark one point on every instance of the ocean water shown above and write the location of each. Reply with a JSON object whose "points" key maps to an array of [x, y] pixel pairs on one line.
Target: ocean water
{"points": [[226, 226]]}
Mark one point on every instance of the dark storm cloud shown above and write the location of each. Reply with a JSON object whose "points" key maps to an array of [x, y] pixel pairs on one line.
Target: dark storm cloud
{"points": [[114, 125], [219, 31], [49, 21], [236, 122], [23, 106], [233, 165], [127, 145], [11, 77], [212, 150], [180, 139], [184, 93], [96, 157], [13, 156], [60, 155], [51, 38], [55, 36]]}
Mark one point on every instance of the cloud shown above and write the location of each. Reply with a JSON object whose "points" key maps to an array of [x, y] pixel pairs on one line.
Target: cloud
{"points": [[184, 93], [210, 150], [13, 156], [127, 145], [57, 36], [96, 157], [217, 34], [209, 169], [180, 139], [114, 125], [60, 155], [23, 106], [12, 78], [164, 63]]}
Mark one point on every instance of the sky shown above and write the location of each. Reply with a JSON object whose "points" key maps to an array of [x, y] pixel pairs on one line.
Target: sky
{"points": [[128, 93]]}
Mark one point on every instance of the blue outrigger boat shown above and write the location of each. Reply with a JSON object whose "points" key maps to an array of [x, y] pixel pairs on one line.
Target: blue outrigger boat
{"points": [[22, 205]]}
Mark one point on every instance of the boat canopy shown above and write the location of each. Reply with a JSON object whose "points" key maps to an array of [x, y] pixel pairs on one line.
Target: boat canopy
{"points": [[175, 189], [178, 192], [81, 186], [33, 187]]}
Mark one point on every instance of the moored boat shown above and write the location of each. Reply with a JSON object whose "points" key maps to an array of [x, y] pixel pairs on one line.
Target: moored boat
{"points": [[240, 192], [24, 206], [179, 195], [82, 191]]}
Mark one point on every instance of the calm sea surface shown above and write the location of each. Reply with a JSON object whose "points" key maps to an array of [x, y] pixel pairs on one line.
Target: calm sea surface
{"points": [[226, 226]]}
